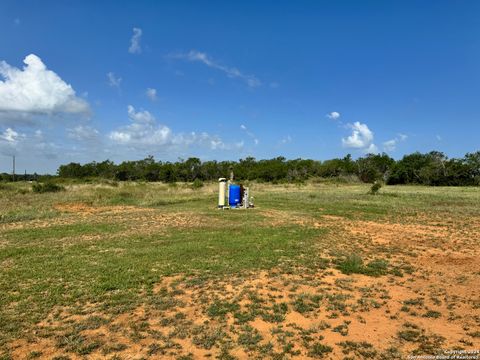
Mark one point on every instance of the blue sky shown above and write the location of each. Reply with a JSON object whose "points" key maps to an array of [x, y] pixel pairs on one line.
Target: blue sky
{"points": [[225, 80]]}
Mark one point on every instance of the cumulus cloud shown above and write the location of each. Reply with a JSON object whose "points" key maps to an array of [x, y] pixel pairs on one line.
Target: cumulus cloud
{"points": [[333, 115], [10, 136], [145, 133], [135, 47], [13, 142], [114, 81], [142, 131], [36, 90], [151, 94], [140, 116], [361, 138], [231, 72], [9, 140]]}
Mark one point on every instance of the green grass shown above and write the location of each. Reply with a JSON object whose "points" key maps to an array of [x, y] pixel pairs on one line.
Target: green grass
{"points": [[54, 259]]}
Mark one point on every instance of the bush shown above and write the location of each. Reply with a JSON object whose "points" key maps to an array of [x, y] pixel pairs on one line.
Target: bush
{"points": [[197, 184], [375, 188], [47, 187]]}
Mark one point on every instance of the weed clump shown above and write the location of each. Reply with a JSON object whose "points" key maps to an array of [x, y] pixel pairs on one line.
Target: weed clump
{"points": [[48, 187], [353, 264], [319, 350], [432, 314], [375, 188], [363, 350]]}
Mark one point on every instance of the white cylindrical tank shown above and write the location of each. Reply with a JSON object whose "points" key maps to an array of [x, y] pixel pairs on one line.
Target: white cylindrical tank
{"points": [[222, 182]]}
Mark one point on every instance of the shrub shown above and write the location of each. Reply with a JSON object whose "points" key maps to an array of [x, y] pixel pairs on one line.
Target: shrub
{"points": [[375, 188], [197, 184], [46, 187]]}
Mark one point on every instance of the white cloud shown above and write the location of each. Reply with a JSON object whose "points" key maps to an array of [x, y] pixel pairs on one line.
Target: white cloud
{"points": [[14, 143], [114, 81], [9, 140], [231, 72], [83, 133], [361, 138], [143, 130], [140, 116], [250, 134], [391, 145], [205, 140], [144, 133], [10, 136], [438, 137], [333, 115], [372, 149], [135, 47], [36, 90], [151, 94]]}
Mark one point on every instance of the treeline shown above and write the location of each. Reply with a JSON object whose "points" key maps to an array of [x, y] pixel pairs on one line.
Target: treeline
{"points": [[4, 177], [433, 168]]}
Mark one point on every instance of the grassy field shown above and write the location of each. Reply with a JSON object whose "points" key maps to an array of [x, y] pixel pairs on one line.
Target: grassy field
{"points": [[135, 271]]}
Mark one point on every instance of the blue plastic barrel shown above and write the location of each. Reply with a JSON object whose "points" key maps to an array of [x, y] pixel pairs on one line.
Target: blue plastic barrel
{"points": [[234, 195]]}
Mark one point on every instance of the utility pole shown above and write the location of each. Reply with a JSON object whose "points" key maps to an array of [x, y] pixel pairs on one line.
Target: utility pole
{"points": [[13, 172]]}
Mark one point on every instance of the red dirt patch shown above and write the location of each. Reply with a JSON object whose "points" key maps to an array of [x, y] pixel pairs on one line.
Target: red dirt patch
{"points": [[335, 308]]}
